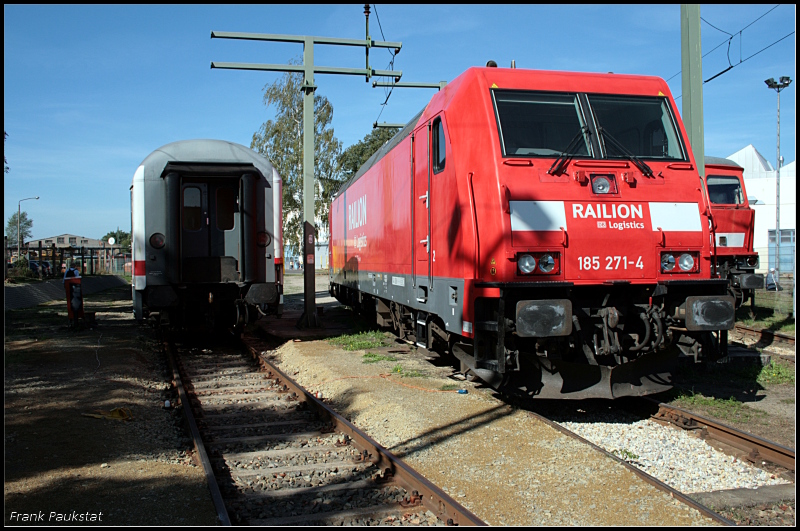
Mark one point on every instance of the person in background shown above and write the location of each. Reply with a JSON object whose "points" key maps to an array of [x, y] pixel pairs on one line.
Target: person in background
{"points": [[71, 272], [772, 281]]}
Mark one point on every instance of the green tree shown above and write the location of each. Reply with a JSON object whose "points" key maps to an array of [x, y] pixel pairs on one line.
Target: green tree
{"points": [[356, 155], [25, 228], [121, 238], [281, 141]]}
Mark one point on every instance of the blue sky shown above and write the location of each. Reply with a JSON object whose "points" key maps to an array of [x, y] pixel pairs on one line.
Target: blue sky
{"points": [[90, 91]]}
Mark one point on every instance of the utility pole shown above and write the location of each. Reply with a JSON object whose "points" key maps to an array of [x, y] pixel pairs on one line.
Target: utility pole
{"points": [[19, 215], [309, 318], [692, 85]]}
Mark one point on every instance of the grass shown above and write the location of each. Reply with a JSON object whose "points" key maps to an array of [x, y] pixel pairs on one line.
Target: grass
{"points": [[399, 370], [371, 357], [774, 374], [742, 375], [729, 409], [359, 341], [773, 311], [625, 455]]}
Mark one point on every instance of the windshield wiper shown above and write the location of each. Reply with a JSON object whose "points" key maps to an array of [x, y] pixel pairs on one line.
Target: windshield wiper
{"points": [[560, 164], [643, 167]]}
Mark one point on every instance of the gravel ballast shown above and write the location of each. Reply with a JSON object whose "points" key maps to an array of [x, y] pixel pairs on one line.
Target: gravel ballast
{"points": [[498, 461]]}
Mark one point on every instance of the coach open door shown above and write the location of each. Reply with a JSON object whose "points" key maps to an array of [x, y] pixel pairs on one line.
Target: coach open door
{"points": [[209, 247]]}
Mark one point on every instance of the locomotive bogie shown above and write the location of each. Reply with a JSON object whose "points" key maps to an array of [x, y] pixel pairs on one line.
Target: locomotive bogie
{"points": [[518, 221], [205, 250]]}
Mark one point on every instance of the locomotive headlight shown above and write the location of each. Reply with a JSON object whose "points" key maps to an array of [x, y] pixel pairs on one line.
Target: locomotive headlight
{"points": [[546, 263], [600, 185], [747, 261], [263, 239], [604, 184], [667, 262], [526, 263], [157, 240], [685, 262]]}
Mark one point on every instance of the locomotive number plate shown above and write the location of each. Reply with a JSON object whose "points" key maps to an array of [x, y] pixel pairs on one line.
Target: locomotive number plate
{"points": [[594, 263]]}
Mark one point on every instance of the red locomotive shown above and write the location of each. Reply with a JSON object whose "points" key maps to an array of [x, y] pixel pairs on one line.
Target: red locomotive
{"points": [[733, 222], [549, 229]]}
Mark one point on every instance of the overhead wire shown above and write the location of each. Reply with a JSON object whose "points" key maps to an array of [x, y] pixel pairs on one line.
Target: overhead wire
{"points": [[390, 66], [728, 42]]}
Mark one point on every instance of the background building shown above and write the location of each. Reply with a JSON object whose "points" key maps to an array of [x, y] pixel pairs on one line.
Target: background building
{"points": [[759, 180], [63, 241]]}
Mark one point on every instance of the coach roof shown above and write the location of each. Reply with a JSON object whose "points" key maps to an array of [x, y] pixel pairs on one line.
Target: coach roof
{"points": [[203, 151]]}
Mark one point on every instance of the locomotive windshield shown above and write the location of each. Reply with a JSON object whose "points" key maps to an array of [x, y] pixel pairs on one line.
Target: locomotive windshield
{"points": [[725, 190], [540, 124], [532, 124], [644, 126]]}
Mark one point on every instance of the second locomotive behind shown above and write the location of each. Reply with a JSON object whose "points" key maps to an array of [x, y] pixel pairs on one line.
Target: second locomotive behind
{"points": [[550, 229], [207, 235], [733, 224]]}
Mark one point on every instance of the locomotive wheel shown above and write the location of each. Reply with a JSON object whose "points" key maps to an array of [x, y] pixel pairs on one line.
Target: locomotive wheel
{"points": [[738, 297]]}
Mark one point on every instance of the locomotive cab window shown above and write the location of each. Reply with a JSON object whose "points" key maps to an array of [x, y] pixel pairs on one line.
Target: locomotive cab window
{"points": [[724, 190], [641, 125], [226, 207], [540, 124], [438, 148], [192, 208]]}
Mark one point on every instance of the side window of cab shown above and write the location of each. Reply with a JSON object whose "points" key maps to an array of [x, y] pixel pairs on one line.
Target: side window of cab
{"points": [[438, 150]]}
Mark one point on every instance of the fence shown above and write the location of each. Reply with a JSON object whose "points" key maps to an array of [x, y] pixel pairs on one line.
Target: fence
{"points": [[781, 301], [90, 260]]}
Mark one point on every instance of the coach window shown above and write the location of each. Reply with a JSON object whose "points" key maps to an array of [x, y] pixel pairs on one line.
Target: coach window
{"points": [[438, 149], [226, 206], [192, 208]]}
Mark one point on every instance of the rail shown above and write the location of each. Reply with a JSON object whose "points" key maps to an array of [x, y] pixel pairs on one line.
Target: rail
{"points": [[432, 497], [756, 448], [767, 337]]}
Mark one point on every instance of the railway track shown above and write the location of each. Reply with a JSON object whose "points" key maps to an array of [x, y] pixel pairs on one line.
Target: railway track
{"points": [[754, 448], [673, 493], [765, 338], [276, 455]]}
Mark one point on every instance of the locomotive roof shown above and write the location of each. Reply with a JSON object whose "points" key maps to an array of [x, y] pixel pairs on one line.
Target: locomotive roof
{"points": [[523, 79], [719, 161], [382, 151], [204, 151]]}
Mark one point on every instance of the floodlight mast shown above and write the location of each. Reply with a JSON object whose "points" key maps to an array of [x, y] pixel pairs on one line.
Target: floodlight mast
{"points": [[778, 86], [309, 319]]}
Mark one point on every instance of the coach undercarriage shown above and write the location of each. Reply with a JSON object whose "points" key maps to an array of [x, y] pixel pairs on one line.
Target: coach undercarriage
{"points": [[229, 305], [579, 343]]}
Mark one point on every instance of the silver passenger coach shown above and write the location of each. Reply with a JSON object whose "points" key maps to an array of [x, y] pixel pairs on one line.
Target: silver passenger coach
{"points": [[207, 235]]}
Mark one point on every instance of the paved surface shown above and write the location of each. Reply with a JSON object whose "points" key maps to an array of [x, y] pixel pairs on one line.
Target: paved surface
{"points": [[745, 497], [19, 296]]}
